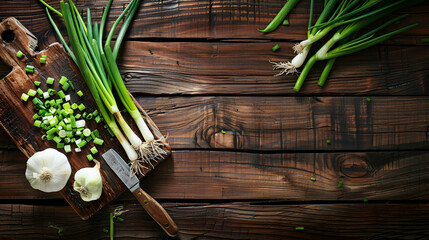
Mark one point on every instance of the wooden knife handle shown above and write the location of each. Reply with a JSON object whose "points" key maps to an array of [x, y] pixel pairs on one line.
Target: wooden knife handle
{"points": [[156, 211]]}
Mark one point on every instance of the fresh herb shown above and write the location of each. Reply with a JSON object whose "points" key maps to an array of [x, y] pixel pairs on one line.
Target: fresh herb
{"points": [[278, 19]]}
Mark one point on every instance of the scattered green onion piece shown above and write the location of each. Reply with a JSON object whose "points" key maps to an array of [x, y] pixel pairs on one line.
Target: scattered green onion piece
{"points": [[60, 145], [94, 150], [37, 123], [299, 228], [66, 106], [52, 131], [24, 97], [90, 157], [120, 219], [82, 143], [328, 141], [57, 139], [73, 140], [80, 93], [62, 133], [73, 121], [74, 106], [285, 22], [50, 136], [40, 91], [61, 94], [50, 80], [63, 80], [98, 119], [36, 116], [66, 86], [95, 134], [276, 48], [29, 69], [37, 83], [43, 137], [89, 116], [98, 141], [86, 132], [44, 56], [19, 54], [222, 131], [32, 92], [71, 85], [95, 113], [67, 148], [84, 115], [81, 107], [365, 200], [42, 60], [105, 230], [88, 139], [313, 179], [340, 184], [77, 116], [368, 99], [51, 92]]}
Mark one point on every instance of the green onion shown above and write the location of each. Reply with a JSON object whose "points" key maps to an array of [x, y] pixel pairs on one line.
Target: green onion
{"points": [[63, 80], [98, 141], [32, 92], [66, 86], [67, 148], [94, 150], [80, 93], [90, 157], [278, 19], [42, 60], [313, 179], [275, 48], [81, 107], [299, 228], [340, 184], [50, 80], [37, 83], [29, 69], [19, 54], [24, 97]]}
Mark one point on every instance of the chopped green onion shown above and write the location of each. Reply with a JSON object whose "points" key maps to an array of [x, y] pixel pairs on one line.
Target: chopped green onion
{"points": [[82, 143], [50, 80], [32, 92], [29, 69], [61, 94], [67, 148], [365, 200], [37, 123], [44, 137], [299, 228], [71, 85], [74, 106], [328, 141], [105, 230], [94, 150], [24, 97], [66, 86], [42, 60], [313, 179], [285, 22], [89, 116], [86, 132], [37, 83], [275, 48], [95, 134], [98, 141], [63, 80], [81, 107], [368, 99], [19, 54], [120, 219], [425, 40], [80, 93], [90, 157], [340, 184]]}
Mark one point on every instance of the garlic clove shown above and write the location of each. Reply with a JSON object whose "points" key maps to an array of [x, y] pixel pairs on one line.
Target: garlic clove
{"points": [[88, 182], [48, 170]]}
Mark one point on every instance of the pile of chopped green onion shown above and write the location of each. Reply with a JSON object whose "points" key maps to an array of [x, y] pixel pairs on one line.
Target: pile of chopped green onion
{"points": [[97, 63], [347, 17], [63, 121]]}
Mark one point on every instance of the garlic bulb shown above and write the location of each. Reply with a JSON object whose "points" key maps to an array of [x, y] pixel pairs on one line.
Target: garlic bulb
{"points": [[88, 182], [48, 170]]}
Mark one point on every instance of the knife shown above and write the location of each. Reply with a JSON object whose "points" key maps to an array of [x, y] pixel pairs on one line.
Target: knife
{"points": [[152, 207]]}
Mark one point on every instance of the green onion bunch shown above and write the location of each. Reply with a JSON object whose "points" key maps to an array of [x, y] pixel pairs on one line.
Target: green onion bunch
{"points": [[97, 63], [347, 18]]}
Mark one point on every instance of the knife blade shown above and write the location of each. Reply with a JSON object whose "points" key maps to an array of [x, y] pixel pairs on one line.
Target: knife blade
{"points": [[152, 207]]}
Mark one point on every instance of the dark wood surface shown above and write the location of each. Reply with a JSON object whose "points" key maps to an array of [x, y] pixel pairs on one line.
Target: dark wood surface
{"points": [[245, 146]]}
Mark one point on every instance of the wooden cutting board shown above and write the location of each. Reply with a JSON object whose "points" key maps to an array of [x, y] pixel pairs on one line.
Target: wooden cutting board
{"points": [[16, 116]]}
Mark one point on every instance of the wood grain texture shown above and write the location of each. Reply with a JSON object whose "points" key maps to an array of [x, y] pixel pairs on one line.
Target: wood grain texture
{"points": [[208, 19], [207, 68], [16, 116], [291, 123], [226, 221], [397, 175]]}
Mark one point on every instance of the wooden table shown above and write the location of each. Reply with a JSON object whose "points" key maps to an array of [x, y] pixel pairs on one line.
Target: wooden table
{"points": [[245, 146]]}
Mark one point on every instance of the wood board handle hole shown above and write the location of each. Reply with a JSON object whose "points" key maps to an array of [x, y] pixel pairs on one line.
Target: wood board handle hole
{"points": [[8, 36]]}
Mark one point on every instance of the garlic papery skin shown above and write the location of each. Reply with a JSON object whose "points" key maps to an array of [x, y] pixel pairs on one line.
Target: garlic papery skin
{"points": [[48, 170], [88, 182]]}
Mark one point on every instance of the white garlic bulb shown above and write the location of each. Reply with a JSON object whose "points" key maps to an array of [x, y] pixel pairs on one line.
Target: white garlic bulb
{"points": [[88, 182], [48, 170]]}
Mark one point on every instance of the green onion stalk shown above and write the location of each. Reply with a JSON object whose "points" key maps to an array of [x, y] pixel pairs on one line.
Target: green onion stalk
{"points": [[336, 14], [152, 148], [99, 71]]}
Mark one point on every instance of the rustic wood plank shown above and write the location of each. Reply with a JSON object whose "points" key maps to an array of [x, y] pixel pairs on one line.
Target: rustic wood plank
{"points": [[292, 123], [225, 68], [226, 221], [214, 19], [228, 175]]}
